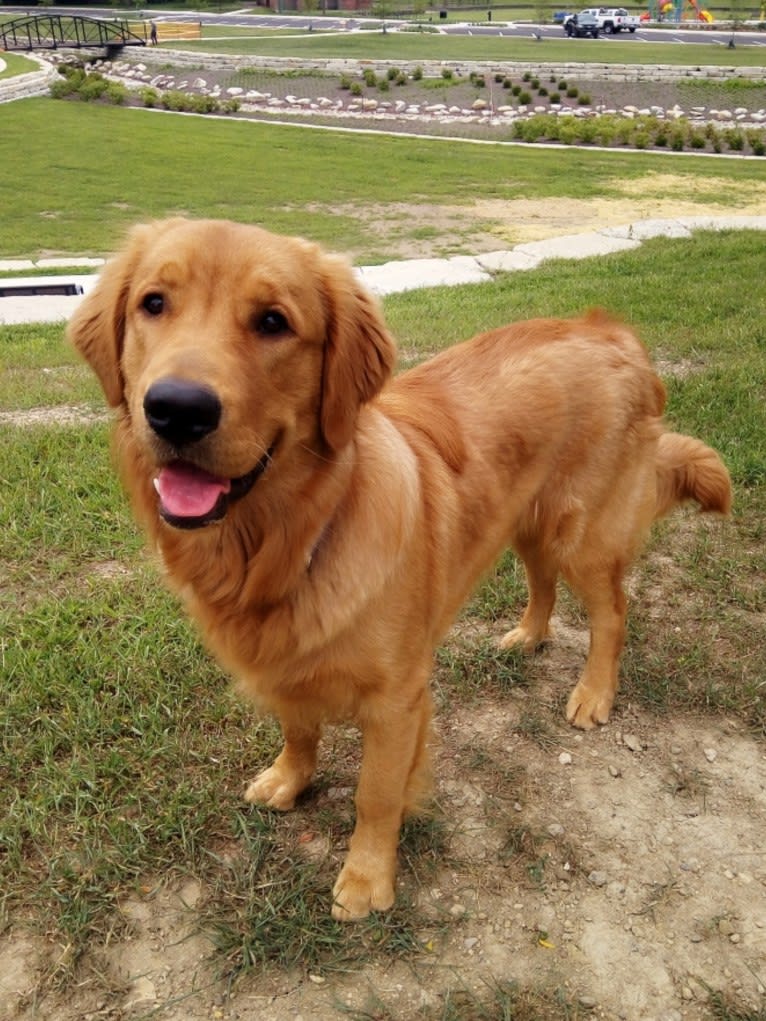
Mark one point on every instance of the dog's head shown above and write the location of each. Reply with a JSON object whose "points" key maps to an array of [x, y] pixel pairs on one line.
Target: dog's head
{"points": [[225, 346]]}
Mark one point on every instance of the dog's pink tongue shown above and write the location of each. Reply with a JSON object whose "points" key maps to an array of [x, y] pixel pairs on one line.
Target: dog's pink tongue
{"points": [[189, 492]]}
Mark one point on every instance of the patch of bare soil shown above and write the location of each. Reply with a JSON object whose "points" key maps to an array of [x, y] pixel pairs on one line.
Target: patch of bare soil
{"points": [[493, 224], [52, 416], [625, 867]]}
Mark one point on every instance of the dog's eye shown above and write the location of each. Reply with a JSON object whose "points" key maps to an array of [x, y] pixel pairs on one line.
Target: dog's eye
{"points": [[153, 303], [271, 323]]}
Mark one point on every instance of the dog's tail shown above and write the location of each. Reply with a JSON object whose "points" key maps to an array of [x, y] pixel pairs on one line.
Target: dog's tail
{"points": [[689, 470]]}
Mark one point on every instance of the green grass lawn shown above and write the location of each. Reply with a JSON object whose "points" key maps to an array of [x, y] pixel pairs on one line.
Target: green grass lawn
{"points": [[112, 166], [418, 46], [15, 64]]}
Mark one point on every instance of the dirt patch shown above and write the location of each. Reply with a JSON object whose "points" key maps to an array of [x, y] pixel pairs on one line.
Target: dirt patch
{"points": [[657, 196], [624, 868], [52, 416]]}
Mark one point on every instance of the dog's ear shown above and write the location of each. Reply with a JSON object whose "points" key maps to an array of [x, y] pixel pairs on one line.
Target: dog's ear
{"points": [[359, 352], [96, 329]]}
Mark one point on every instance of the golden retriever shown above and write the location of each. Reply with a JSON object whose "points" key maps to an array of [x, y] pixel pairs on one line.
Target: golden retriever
{"points": [[323, 522]]}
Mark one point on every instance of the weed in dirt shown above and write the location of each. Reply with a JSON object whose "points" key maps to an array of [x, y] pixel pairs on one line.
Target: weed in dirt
{"points": [[267, 905], [723, 1007]]}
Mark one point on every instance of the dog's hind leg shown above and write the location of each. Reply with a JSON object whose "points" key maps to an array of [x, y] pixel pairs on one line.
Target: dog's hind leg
{"points": [[280, 784], [541, 574], [600, 588]]}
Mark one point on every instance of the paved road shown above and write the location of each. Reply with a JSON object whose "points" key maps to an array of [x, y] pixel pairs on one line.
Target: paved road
{"points": [[497, 27]]}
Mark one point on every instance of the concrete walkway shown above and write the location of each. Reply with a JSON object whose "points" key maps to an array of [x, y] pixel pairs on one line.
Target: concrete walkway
{"points": [[394, 277]]}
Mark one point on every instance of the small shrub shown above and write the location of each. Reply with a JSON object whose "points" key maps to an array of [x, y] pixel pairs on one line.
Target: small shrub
{"points": [[498, 77], [448, 74], [383, 85], [92, 88], [203, 104], [149, 97], [479, 81], [230, 105], [759, 147], [625, 130], [370, 78], [62, 87], [535, 83], [527, 76], [568, 131], [563, 85], [116, 93], [507, 83], [584, 99], [555, 97], [641, 139], [697, 140], [356, 89], [605, 131], [525, 98], [542, 91], [176, 101], [677, 140], [573, 92], [735, 139], [417, 74], [345, 82], [516, 90], [392, 73], [401, 78], [588, 129], [661, 139]]}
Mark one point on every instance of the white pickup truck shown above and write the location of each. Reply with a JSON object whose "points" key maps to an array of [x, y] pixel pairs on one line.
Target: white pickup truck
{"points": [[612, 19]]}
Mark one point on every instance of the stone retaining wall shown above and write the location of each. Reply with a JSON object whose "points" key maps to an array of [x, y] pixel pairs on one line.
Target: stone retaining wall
{"points": [[433, 68], [22, 86]]}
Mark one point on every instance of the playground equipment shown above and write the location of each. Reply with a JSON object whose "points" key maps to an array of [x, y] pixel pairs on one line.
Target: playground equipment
{"points": [[678, 10]]}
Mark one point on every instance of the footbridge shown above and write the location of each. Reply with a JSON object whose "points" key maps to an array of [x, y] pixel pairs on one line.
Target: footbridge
{"points": [[61, 31]]}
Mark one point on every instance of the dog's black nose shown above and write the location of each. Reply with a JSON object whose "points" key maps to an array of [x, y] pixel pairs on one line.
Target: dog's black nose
{"points": [[181, 412]]}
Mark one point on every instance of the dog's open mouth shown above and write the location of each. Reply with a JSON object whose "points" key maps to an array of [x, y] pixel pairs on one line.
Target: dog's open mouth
{"points": [[191, 497]]}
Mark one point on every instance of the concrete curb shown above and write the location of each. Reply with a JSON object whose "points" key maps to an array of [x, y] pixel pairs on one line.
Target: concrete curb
{"points": [[395, 277]]}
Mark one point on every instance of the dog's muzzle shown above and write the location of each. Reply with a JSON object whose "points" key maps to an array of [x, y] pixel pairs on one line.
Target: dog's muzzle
{"points": [[182, 414]]}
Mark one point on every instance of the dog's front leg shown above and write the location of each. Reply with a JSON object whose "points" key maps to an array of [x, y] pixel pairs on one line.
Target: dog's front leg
{"points": [[291, 772], [394, 764]]}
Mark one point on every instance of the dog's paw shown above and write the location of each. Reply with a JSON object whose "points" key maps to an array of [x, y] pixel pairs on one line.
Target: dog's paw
{"points": [[587, 708], [273, 788], [356, 894], [520, 638]]}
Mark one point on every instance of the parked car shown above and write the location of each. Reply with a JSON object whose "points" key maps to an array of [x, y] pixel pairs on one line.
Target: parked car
{"points": [[613, 19], [582, 24]]}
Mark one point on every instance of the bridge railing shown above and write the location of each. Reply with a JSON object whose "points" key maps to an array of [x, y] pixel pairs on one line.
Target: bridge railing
{"points": [[51, 31]]}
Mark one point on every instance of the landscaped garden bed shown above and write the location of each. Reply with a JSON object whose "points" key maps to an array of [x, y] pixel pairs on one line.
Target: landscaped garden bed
{"points": [[705, 117]]}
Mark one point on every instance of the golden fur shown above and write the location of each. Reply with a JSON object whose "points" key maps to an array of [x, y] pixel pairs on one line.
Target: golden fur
{"points": [[377, 503]]}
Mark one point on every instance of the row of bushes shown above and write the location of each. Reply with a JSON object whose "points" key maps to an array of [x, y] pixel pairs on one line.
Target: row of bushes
{"points": [[643, 132], [75, 81], [91, 86]]}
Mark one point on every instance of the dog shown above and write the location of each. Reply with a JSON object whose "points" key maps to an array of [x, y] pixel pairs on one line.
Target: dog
{"points": [[324, 522]]}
